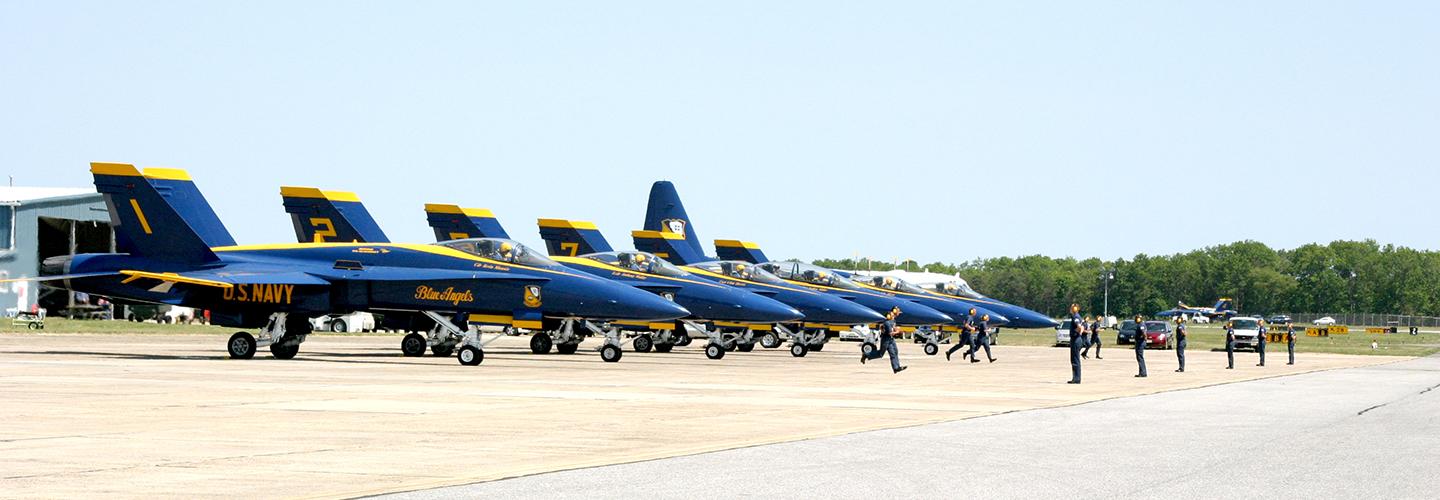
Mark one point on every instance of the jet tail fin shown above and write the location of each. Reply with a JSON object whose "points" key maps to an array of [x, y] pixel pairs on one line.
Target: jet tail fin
{"points": [[666, 214], [451, 222], [568, 238], [739, 250], [160, 213], [320, 216], [668, 246]]}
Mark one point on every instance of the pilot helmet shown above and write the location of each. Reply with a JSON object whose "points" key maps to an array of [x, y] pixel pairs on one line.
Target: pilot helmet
{"points": [[972, 311], [639, 258], [506, 247], [985, 318]]}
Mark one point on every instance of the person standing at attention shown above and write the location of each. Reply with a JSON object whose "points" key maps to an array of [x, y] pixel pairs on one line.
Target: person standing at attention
{"points": [[887, 343], [1290, 341], [1180, 337], [1140, 340], [1230, 345], [1077, 328], [1261, 339]]}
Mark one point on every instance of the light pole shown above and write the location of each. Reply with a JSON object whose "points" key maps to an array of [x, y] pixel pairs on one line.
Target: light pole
{"points": [[1107, 275]]}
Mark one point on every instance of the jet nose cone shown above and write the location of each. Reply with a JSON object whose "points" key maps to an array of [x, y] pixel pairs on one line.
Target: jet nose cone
{"points": [[766, 310], [643, 305], [920, 315]]}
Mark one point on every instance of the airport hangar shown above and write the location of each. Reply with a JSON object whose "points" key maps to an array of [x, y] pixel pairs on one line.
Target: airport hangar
{"points": [[41, 222]]}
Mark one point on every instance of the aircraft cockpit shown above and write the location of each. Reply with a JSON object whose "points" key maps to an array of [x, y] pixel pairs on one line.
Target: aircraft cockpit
{"points": [[800, 271], [500, 249], [958, 288], [890, 283], [740, 270], [640, 262]]}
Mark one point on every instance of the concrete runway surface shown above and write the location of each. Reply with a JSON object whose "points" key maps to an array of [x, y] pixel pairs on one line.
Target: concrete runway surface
{"points": [[144, 416], [1371, 432]]}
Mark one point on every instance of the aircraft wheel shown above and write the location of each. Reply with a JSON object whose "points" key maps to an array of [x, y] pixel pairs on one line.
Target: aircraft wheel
{"points": [[413, 345], [284, 351], [714, 351], [682, 338], [471, 355], [566, 348], [931, 349], [770, 340], [745, 347], [540, 343], [798, 350], [643, 343], [443, 350], [663, 347], [610, 353], [241, 346], [867, 348]]}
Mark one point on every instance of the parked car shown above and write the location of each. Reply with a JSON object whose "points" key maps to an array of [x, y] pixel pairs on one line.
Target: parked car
{"points": [[1200, 319], [1247, 331], [341, 323], [1325, 321], [1126, 333], [1158, 333], [1278, 319], [1062, 334]]}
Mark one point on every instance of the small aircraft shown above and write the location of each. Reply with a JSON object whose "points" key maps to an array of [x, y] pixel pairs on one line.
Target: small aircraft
{"points": [[1224, 309], [821, 312], [710, 302], [670, 233], [174, 250]]}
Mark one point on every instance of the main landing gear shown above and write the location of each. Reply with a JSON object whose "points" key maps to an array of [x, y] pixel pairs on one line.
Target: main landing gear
{"points": [[803, 341], [444, 338], [722, 340], [282, 334]]}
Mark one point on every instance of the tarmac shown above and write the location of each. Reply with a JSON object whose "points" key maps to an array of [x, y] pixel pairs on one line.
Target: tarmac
{"points": [[168, 416]]}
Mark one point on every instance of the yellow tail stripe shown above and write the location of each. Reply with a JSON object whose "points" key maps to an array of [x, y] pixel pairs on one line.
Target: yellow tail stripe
{"points": [[144, 224]]}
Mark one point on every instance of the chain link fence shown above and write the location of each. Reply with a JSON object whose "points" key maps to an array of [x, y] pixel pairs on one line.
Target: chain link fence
{"points": [[1367, 319]]}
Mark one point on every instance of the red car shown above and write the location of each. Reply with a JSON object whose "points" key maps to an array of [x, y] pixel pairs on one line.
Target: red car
{"points": [[1159, 334]]}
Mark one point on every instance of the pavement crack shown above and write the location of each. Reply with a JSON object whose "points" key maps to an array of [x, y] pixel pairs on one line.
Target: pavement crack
{"points": [[1427, 389], [1362, 412]]}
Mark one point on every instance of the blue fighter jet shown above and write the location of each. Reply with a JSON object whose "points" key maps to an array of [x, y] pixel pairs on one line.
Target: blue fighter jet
{"points": [[174, 250]]}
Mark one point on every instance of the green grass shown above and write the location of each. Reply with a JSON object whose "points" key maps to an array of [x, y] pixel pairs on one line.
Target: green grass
{"points": [[1207, 337]]}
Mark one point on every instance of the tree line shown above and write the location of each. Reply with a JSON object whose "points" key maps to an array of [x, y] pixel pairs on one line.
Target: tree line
{"points": [[1341, 277]]}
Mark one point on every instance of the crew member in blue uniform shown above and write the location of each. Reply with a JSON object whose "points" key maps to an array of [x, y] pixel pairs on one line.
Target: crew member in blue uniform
{"points": [[1140, 340], [1290, 341], [1230, 346], [1180, 337], [982, 338], [1094, 340], [1260, 341], [887, 343], [1077, 328], [964, 341], [1084, 339]]}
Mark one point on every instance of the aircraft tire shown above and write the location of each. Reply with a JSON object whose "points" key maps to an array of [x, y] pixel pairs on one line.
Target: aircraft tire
{"points": [[442, 350], [931, 349], [682, 339], [284, 351], [817, 347], [413, 345], [643, 343], [867, 348], [798, 350], [770, 340], [745, 347], [663, 347], [610, 353], [566, 348], [540, 343], [241, 346], [714, 351], [471, 356]]}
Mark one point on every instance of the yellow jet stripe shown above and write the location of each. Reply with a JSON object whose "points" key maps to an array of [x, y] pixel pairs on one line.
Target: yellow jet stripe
{"points": [[173, 278], [601, 265], [144, 224]]}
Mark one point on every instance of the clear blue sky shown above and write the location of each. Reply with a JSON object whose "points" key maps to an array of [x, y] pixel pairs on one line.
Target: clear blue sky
{"points": [[935, 131]]}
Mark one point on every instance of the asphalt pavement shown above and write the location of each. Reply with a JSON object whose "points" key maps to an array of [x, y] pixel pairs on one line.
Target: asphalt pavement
{"points": [[1356, 432]]}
